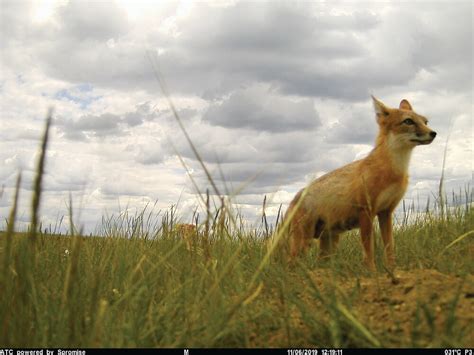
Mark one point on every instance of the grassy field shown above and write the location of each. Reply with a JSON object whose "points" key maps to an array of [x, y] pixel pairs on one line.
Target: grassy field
{"points": [[227, 289], [62, 291]]}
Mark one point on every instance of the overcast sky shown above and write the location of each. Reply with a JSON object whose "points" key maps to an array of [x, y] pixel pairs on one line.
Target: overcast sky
{"points": [[273, 94]]}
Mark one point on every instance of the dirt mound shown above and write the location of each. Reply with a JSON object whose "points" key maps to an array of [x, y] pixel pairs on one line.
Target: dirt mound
{"points": [[414, 311]]}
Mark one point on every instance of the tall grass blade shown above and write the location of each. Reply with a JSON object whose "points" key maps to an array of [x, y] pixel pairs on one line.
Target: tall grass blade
{"points": [[153, 60], [441, 179], [11, 227], [457, 240], [39, 178]]}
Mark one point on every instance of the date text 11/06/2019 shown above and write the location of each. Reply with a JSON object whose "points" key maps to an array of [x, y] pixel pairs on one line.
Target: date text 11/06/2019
{"points": [[315, 352]]}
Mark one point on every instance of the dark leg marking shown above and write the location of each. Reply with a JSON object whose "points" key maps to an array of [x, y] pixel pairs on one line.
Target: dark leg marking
{"points": [[319, 228]]}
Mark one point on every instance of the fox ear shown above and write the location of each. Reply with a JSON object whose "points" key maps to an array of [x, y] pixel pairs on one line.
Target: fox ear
{"points": [[380, 109], [405, 105]]}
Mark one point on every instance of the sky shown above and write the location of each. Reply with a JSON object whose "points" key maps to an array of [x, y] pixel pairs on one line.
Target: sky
{"points": [[272, 94]]}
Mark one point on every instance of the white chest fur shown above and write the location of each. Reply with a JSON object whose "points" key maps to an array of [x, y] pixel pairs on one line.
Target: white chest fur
{"points": [[400, 153], [389, 197]]}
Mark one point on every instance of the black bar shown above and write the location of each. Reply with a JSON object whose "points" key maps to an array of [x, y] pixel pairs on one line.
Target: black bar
{"points": [[198, 351]]}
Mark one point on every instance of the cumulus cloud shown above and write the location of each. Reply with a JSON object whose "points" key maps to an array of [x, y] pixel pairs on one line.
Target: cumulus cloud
{"points": [[352, 124], [272, 95], [95, 20], [214, 49], [107, 124], [256, 108]]}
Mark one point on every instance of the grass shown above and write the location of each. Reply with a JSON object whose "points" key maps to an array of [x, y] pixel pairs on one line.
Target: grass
{"points": [[134, 288], [118, 292]]}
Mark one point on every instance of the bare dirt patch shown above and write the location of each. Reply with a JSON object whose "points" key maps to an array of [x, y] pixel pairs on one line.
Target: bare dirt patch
{"points": [[424, 305]]}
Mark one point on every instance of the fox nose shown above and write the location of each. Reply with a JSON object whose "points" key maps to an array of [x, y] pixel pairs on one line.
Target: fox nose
{"points": [[433, 134]]}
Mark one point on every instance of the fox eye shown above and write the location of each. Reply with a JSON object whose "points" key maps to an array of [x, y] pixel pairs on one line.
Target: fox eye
{"points": [[408, 121]]}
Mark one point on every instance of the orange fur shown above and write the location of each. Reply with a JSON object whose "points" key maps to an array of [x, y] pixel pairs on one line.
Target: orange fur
{"points": [[353, 195]]}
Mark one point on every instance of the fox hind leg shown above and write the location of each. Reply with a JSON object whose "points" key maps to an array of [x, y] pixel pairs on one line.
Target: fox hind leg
{"points": [[328, 244], [301, 233]]}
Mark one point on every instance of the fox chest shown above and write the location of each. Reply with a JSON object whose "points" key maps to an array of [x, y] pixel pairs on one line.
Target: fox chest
{"points": [[389, 197]]}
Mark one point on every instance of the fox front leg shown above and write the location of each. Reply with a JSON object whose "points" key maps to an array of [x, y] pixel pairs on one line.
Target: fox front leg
{"points": [[385, 223], [366, 233]]}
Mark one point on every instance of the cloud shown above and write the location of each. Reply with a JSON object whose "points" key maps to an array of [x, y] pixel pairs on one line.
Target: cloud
{"points": [[229, 145], [104, 125], [275, 94], [288, 169], [257, 108], [215, 49], [79, 94], [254, 47], [89, 126], [94, 20]]}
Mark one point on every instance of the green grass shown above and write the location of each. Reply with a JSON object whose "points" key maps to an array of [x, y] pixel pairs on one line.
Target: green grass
{"points": [[117, 292], [130, 289]]}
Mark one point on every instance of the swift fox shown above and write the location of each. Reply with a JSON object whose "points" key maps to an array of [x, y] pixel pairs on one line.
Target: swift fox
{"points": [[353, 195]]}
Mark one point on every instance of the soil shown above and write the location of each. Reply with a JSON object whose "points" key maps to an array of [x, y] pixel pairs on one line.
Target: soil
{"points": [[418, 305]]}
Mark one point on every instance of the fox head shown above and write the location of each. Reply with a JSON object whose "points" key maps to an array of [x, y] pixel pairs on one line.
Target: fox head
{"points": [[402, 126]]}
